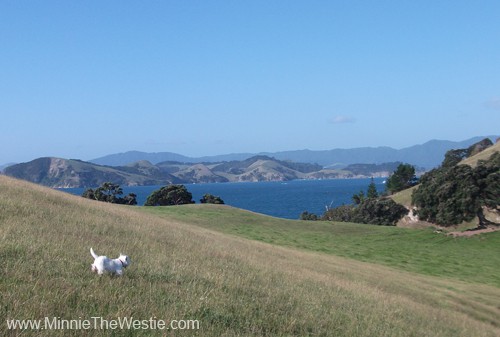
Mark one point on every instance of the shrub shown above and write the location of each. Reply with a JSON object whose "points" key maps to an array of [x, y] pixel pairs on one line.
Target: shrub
{"points": [[170, 195], [109, 192], [308, 216], [379, 212], [342, 213], [211, 199]]}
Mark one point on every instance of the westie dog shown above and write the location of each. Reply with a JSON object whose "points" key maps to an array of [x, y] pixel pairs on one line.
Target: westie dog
{"points": [[103, 264]]}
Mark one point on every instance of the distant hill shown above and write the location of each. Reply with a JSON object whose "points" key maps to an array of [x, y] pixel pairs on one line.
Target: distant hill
{"points": [[4, 166], [427, 155], [58, 172], [120, 159], [65, 173]]}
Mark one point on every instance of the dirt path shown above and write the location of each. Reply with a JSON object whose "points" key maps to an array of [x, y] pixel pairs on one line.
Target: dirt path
{"points": [[474, 232]]}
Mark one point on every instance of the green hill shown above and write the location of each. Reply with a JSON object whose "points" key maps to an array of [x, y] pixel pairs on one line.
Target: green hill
{"points": [[421, 251], [183, 269]]}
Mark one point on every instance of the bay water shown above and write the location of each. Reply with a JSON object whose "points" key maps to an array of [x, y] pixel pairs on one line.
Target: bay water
{"points": [[279, 199]]}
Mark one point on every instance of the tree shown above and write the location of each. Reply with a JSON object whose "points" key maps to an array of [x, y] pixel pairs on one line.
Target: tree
{"points": [[383, 211], [344, 213], [308, 216], [453, 157], [110, 192], [402, 178], [372, 190], [211, 199], [170, 195], [487, 176], [378, 211], [369, 210], [450, 195], [371, 193], [358, 198], [130, 199], [89, 194]]}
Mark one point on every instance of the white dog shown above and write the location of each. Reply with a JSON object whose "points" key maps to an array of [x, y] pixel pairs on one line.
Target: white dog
{"points": [[104, 264]]}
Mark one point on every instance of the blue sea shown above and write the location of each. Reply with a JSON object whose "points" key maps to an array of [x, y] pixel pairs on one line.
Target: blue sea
{"points": [[279, 199]]}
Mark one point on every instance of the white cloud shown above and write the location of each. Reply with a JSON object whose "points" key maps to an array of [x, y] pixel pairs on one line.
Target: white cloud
{"points": [[342, 120]]}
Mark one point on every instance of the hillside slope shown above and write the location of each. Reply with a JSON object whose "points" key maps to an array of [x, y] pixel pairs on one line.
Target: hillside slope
{"points": [[405, 197], [483, 155], [231, 285]]}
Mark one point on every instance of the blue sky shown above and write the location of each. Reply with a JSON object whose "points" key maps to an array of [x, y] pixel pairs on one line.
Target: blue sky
{"points": [[82, 79]]}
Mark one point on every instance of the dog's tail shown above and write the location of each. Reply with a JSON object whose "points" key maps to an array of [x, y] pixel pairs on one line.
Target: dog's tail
{"points": [[94, 255]]}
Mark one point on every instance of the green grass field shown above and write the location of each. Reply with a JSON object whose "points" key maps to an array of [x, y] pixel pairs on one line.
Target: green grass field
{"points": [[291, 278], [474, 259]]}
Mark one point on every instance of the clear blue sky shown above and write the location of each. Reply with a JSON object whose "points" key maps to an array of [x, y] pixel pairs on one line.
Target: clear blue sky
{"points": [[82, 79]]}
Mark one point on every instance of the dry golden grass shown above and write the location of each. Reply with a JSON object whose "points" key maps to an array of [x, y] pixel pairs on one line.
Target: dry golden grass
{"points": [[404, 197], [483, 155], [235, 287]]}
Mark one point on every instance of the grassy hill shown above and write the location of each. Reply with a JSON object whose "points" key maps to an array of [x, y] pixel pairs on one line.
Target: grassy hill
{"points": [[183, 269], [421, 251], [483, 155]]}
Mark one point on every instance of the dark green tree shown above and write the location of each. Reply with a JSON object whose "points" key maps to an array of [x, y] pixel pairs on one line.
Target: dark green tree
{"points": [[369, 209], [130, 199], [110, 192], [371, 193], [402, 178], [358, 198], [383, 211], [170, 195], [378, 211], [211, 199], [487, 177], [453, 157], [344, 213], [372, 190], [308, 216], [89, 194], [450, 195]]}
